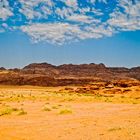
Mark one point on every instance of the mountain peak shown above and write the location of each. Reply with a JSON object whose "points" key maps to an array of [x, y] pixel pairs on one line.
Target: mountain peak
{"points": [[38, 66]]}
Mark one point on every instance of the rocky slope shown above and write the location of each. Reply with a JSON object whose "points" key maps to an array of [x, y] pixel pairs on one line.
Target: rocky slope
{"points": [[44, 74]]}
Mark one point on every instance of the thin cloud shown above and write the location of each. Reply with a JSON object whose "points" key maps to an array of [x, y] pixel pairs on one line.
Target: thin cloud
{"points": [[65, 21], [5, 10], [129, 19]]}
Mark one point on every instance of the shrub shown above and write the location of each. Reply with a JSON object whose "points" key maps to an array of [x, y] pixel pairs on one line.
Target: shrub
{"points": [[21, 112], [46, 109], [6, 111], [65, 111]]}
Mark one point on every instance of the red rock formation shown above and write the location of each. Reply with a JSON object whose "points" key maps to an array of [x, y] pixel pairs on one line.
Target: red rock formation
{"points": [[44, 74]]}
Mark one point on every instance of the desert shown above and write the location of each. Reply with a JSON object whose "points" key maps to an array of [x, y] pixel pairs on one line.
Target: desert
{"points": [[69, 69], [82, 108]]}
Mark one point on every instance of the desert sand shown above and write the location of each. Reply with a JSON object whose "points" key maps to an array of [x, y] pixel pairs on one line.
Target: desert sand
{"points": [[39, 113]]}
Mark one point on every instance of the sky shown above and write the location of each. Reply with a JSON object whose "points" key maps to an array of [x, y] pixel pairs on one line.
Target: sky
{"points": [[69, 31]]}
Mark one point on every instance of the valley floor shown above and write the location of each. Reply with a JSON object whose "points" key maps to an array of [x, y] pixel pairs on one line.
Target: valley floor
{"points": [[35, 113]]}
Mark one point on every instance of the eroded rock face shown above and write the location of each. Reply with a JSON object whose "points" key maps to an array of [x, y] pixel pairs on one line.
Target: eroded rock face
{"points": [[17, 79], [44, 74], [2, 68]]}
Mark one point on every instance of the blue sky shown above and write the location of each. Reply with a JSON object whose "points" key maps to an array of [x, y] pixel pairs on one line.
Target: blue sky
{"points": [[70, 31]]}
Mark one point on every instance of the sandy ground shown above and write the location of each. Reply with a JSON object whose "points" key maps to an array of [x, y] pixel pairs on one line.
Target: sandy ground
{"points": [[83, 120]]}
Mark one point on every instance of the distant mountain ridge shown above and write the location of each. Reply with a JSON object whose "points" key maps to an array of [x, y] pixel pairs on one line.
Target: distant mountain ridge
{"points": [[45, 74]]}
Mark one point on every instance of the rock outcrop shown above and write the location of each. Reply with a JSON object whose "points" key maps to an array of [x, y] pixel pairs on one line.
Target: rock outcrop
{"points": [[44, 74]]}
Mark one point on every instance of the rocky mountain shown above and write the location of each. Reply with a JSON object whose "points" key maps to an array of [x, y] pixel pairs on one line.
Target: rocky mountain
{"points": [[2, 68], [44, 74]]}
